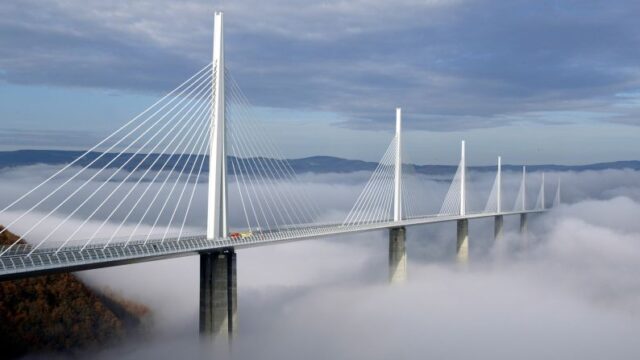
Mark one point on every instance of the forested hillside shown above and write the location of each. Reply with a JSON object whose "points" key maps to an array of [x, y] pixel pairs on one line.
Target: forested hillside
{"points": [[59, 313]]}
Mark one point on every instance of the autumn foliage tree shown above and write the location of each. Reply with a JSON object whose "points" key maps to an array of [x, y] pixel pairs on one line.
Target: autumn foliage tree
{"points": [[57, 313]]}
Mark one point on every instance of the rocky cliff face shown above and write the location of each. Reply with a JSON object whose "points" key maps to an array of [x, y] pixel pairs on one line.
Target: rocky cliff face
{"points": [[59, 313]]}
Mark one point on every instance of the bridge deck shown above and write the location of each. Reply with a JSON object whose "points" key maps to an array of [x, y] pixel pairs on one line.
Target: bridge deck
{"points": [[17, 263]]}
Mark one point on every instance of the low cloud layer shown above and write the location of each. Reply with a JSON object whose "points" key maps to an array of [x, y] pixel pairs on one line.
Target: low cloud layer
{"points": [[571, 294], [569, 291]]}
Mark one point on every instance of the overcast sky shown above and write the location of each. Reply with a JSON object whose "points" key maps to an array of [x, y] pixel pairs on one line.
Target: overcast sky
{"points": [[535, 81]]}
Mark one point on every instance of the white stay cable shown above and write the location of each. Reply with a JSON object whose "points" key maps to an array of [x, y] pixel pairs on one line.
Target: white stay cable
{"points": [[252, 186], [357, 211], [371, 206], [255, 171], [77, 189], [182, 135], [86, 182], [257, 147], [451, 200], [202, 141], [236, 174], [379, 211], [349, 220], [126, 178], [385, 210], [377, 189], [101, 143], [203, 146], [274, 150], [193, 190], [267, 173], [159, 191], [246, 189], [492, 201], [91, 179], [155, 177]]}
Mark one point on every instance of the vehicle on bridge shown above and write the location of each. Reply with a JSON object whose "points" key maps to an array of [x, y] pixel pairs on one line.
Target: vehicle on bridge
{"points": [[240, 235]]}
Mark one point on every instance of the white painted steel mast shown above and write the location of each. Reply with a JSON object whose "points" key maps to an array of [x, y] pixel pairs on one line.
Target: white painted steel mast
{"points": [[556, 201], [217, 196], [397, 195], [463, 201], [542, 192], [499, 186], [524, 188]]}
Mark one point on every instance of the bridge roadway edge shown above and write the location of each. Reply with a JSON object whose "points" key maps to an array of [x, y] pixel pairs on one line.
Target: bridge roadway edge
{"points": [[218, 245]]}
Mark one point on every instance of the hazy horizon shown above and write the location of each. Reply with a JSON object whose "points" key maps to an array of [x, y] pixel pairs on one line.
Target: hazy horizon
{"points": [[452, 164]]}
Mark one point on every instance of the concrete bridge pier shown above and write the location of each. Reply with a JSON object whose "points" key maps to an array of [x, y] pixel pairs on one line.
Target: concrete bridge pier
{"points": [[397, 255], [218, 294], [462, 254], [523, 229], [523, 224], [498, 227]]}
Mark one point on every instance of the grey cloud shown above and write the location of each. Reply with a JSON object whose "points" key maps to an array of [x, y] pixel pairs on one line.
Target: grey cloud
{"points": [[326, 298], [452, 65], [293, 305], [490, 63], [61, 43]]}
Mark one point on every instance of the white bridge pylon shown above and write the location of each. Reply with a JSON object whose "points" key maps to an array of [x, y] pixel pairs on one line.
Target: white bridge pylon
{"points": [[374, 205], [217, 189], [494, 202], [455, 202], [397, 187], [521, 200]]}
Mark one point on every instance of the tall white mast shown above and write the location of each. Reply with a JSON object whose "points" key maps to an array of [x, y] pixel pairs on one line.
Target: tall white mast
{"points": [[463, 170], [397, 194], [217, 197], [556, 201], [542, 192], [524, 188], [499, 186]]}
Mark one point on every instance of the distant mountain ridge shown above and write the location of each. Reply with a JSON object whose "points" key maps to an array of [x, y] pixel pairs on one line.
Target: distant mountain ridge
{"points": [[313, 164]]}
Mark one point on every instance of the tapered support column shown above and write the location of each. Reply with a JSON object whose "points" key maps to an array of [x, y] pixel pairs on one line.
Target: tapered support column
{"points": [[498, 227], [463, 180], [523, 224], [556, 200], [397, 187], [397, 256], [217, 187], [462, 255], [218, 294], [523, 188], [499, 187], [542, 192]]}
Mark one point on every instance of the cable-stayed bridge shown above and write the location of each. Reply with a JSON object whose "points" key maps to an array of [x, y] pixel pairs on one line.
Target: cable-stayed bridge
{"points": [[137, 195]]}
